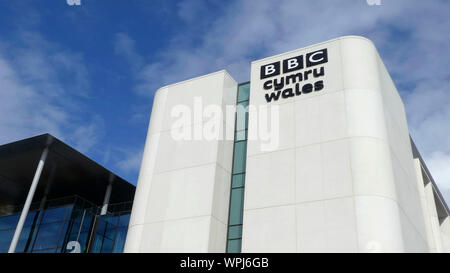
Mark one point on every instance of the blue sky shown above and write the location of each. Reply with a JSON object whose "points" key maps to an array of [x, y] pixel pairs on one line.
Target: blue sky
{"points": [[87, 74]]}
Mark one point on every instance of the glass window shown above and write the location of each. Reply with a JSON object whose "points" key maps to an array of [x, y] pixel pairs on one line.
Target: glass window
{"points": [[241, 135], [76, 222], [97, 245], [23, 239], [113, 221], [243, 104], [101, 226], [54, 215], [234, 246], [85, 219], [239, 165], [71, 237], [87, 222], [235, 232], [110, 220], [5, 239], [83, 240], [107, 246], [124, 220], [110, 232], [47, 236], [62, 236], [236, 211], [77, 214], [51, 250], [10, 221], [242, 116], [30, 219], [119, 242], [238, 181], [244, 92], [240, 152]]}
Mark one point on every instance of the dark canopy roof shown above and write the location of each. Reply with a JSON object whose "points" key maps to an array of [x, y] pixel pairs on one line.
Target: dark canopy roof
{"points": [[66, 172]]}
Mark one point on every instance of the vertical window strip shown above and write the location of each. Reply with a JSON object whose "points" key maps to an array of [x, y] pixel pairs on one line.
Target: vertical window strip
{"points": [[236, 208]]}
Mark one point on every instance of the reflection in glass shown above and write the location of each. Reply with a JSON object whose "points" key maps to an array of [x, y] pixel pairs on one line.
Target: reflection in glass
{"points": [[235, 232], [23, 239], [241, 135], [64, 220], [111, 233], [239, 164], [119, 243], [107, 245], [238, 181], [234, 246], [242, 116], [236, 212], [124, 220], [48, 235], [240, 151], [54, 215], [244, 92], [5, 239]]}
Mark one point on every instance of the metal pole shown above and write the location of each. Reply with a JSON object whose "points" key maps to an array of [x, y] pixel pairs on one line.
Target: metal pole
{"points": [[107, 196], [26, 207], [49, 185]]}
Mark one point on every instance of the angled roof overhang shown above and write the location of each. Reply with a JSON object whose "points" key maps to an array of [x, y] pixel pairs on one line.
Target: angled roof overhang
{"points": [[66, 172]]}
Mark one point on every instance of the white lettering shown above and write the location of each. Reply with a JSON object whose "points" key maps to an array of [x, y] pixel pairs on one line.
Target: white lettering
{"points": [[311, 58], [292, 63], [270, 69]]}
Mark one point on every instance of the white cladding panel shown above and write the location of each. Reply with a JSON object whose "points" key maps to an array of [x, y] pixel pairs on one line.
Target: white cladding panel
{"points": [[338, 175], [343, 167], [182, 195]]}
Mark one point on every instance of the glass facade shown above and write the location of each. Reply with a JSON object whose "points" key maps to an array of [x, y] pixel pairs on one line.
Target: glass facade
{"points": [[234, 237], [111, 230], [67, 225]]}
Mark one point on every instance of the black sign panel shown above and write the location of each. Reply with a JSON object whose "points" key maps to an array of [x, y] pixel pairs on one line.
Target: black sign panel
{"points": [[270, 70], [293, 64], [316, 57]]}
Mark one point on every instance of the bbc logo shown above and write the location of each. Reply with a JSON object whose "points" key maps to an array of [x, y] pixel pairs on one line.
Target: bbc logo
{"points": [[294, 63]]}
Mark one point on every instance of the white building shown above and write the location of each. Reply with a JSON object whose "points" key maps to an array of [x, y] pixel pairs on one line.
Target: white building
{"points": [[337, 172]]}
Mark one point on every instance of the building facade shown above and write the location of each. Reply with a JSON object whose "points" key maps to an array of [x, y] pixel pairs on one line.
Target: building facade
{"points": [[53, 199], [315, 156]]}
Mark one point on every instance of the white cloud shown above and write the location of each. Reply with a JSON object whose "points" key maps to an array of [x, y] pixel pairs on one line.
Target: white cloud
{"points": [[189, 10], [130, 161], [125, 46], [438, 164], [41, 88], [254, 29], [85, 137], [23, 111], [412, 37]]}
